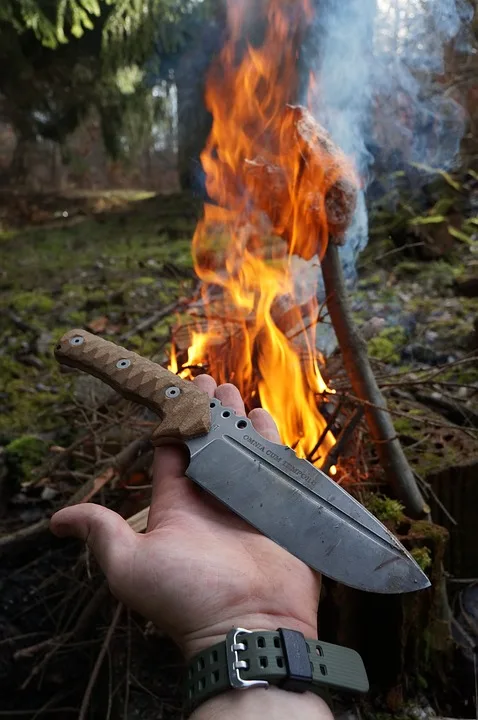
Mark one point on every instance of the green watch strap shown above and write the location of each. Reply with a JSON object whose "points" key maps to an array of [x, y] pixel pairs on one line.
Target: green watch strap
{"points": [[283, 658]]}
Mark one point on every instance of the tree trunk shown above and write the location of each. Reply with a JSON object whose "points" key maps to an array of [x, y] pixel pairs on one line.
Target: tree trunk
{"points": [[194, 120]]}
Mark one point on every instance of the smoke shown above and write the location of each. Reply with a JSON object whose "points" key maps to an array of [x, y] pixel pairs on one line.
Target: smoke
{"points": [[379, 70], [379, 66]]}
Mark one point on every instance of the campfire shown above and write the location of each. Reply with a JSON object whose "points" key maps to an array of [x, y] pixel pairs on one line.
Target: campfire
{"points": [[279, 191]]}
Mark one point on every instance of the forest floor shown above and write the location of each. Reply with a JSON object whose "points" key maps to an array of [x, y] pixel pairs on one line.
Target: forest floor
{"points": [[106, 262]]}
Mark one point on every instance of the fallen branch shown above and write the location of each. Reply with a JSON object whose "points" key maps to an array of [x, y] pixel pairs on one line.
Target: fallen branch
{"points": [[389, 450], [99, 661], [80, 628], [151, 320], [417, 419], [456, 411], [25, 537]]}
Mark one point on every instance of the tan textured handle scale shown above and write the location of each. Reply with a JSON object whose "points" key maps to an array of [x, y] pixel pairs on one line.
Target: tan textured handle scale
{"points": [[182, 407]]}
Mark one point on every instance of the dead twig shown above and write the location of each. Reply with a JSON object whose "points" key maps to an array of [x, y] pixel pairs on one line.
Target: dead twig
{"points": [[63, 454], [20, 539], [430, 373], [449, 406], [80, 628], [323, 435], [128, 665], [149, 322], [427, 420], [429, 491], [99, 661]]}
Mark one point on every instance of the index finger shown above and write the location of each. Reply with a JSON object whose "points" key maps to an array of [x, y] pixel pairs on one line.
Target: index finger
{"points": [[230, 397], [264, 424]]}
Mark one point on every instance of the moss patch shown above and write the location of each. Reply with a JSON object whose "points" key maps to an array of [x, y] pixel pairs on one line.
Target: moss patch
{"points": [[24, 455], [384, 508], [387, 344], [33, 302], [423, 557]]}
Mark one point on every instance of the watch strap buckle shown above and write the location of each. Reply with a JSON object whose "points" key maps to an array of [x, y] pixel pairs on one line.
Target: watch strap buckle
{"points": [[235, 665]]}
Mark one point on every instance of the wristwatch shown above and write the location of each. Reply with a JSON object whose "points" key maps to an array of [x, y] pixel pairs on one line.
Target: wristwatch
{"points": [[284, 658]]}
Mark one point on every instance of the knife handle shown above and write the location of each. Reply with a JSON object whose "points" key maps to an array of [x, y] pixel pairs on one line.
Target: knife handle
{"points": [[183, 408]]}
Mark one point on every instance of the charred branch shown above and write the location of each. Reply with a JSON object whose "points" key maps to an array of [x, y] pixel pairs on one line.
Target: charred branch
{"points": [[342, 441]]}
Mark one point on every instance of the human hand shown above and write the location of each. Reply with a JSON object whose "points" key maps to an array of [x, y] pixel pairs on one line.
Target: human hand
{"points": [[199, 570]]}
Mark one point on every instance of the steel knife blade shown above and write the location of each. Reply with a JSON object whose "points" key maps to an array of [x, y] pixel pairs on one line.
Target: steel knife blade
{"points": [[286, 498]]}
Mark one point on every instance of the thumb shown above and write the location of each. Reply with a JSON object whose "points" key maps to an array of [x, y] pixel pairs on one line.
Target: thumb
{"points": [[110, 538]]}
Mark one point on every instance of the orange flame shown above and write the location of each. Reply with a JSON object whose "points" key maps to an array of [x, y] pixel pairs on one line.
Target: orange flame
{"points": [[272, 174]]}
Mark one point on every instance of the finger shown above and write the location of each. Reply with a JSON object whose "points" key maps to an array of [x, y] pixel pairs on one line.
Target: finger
{"points": [[169, 464], [169, 484], [110, 538], [230, 397], [264, 424], [206, 383]]}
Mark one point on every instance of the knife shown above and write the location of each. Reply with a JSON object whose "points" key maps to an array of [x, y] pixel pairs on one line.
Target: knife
{"points": [[286, 498]]}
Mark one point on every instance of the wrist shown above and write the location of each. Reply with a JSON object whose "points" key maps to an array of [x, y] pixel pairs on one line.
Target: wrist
{"points": [[200, 640], [259, 703]]}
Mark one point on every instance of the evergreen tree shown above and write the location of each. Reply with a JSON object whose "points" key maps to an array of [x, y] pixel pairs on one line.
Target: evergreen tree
{"points": [[61, 58]]}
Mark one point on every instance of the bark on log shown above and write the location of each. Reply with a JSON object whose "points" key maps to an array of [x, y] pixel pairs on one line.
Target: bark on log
{"points": [[354, 351]]}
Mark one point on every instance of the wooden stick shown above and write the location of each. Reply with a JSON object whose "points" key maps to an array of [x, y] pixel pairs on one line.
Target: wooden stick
{"points": [[151, 320], [20, 539], [344, 437], [354, 350], [324, 432], [139, 521], [99, 661]]}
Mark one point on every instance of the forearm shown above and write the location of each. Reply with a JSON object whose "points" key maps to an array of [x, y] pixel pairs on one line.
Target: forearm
{"points": [[259, 703]]}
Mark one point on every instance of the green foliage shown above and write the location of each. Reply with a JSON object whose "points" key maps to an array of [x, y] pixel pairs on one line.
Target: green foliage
{"points": [[51, 25], [55, 23], [102, 51]]}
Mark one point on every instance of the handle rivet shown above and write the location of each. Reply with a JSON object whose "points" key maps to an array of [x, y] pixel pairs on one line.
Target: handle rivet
{"points": [[122, 364], [77, 340], [172, 392]]}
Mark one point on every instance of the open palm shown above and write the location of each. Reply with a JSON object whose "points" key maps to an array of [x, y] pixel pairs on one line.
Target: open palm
{"points": [[199, 570]]}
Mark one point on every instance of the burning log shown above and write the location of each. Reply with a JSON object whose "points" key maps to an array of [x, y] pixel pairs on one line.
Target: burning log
{"points": [[280, 187], [318, 191], [310, 189]]}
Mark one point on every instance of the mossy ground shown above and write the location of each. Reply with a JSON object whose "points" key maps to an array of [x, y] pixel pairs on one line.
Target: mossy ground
{"points": [[425, 325], [109, 269]]}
